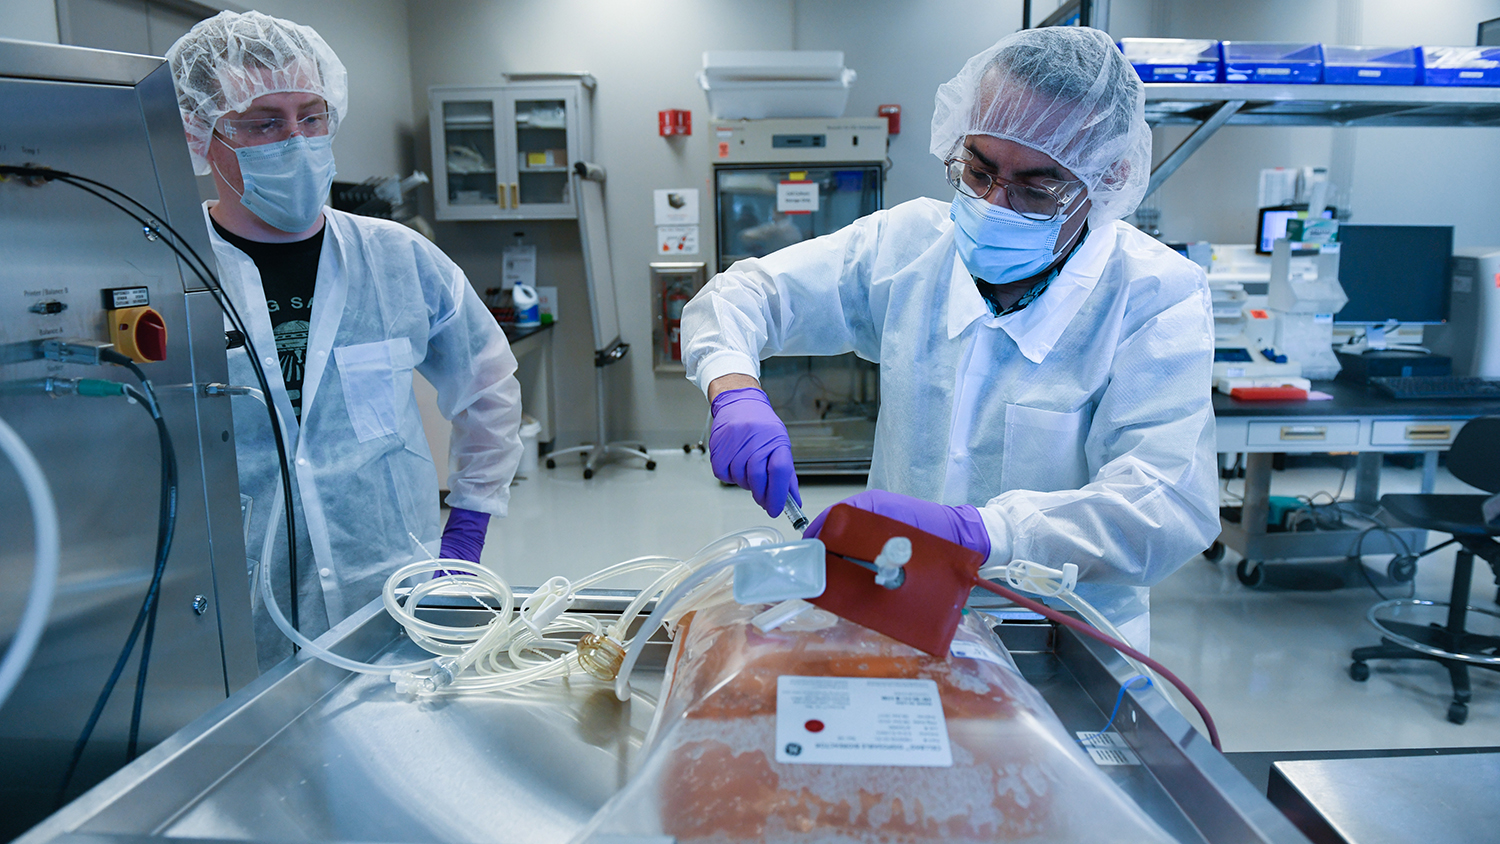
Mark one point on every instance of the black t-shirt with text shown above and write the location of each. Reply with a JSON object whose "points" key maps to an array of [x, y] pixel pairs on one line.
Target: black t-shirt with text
{"points": [[288, 273]]}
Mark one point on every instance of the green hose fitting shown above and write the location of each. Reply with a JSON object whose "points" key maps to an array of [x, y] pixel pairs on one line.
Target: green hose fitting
{"points": [[98, 387]]}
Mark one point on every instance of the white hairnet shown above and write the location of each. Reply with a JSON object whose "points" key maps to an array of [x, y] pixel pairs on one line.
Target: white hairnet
{"points": [[1065, 91], [222, 64]]}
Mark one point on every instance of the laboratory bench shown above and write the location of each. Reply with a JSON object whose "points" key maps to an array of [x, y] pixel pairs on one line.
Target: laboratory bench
{"points": [[1358, 419], [312, 753]]}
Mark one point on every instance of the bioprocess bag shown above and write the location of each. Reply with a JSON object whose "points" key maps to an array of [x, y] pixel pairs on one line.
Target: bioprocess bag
{"points": [[822, 730]]}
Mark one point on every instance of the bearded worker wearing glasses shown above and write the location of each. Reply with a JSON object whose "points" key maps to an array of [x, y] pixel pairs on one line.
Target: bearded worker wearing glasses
{"points": [[1045, 367], [341, 309]]}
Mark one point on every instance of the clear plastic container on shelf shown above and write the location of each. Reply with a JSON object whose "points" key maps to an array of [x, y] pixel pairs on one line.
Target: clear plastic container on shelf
{"points": [[1273, 62], [1174, 59], [1344, 65], [822, 730], [1453, 66]]}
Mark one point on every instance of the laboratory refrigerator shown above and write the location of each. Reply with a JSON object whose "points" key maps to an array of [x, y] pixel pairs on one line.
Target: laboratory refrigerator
{"points": [[783, 181]]}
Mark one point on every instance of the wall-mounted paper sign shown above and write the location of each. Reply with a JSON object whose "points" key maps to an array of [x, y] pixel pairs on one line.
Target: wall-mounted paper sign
{"points": [[518, 264], [797, 197], [677, 207], [677, 240]]}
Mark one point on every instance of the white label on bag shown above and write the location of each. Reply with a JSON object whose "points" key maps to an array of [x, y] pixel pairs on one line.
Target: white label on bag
{"points": [[974, 650], [859, 721]]}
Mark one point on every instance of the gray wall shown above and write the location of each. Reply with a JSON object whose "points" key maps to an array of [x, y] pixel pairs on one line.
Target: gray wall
{"points": [[29, 20]]}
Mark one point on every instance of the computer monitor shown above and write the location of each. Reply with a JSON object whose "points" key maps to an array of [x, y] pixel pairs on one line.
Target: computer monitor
{"points": [[1489, 33], [1273, 224], [1394, 273]]}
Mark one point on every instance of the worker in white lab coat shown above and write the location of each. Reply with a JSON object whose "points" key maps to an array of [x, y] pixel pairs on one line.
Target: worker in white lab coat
{"points": [[342, 310], [1044, 366]]}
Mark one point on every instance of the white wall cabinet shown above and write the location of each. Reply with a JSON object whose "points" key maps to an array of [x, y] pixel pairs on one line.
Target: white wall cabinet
{"points": [[505, 152]]}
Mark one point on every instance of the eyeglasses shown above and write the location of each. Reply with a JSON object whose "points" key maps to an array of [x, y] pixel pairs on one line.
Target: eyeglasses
{"points": [[256, 131], [1040, 201]]}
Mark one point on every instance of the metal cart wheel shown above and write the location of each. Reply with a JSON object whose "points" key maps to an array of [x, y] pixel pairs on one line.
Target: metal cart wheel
{"points": [[1251, 577], [1215, 552]]}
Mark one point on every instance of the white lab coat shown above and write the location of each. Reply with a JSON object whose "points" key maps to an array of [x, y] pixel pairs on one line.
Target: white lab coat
{"points": [[386, 302], [1081, 426]]}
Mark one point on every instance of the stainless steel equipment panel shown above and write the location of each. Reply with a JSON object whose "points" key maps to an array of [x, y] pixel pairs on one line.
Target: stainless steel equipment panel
{"points": [[110, 117]]}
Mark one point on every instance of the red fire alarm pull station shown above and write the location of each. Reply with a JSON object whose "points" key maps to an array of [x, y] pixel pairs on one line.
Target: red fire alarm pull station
{"points": [[674, 121], [892, 115]]}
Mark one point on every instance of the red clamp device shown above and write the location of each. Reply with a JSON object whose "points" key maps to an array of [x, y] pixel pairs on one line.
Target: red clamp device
{"points": [[924, 610]]}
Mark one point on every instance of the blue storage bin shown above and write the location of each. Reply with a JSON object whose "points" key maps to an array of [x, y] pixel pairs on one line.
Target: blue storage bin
{"points": [[1461, 66], [1273, 62], [1174, 59], [1369, 65]]}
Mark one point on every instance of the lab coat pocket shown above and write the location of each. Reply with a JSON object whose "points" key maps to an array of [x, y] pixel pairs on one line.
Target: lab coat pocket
{"points": [[377, 380], [1044, 448]]}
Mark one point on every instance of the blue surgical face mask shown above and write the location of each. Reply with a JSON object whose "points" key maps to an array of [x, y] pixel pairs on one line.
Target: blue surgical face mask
{"points": [[286, 183], [999, 245]]}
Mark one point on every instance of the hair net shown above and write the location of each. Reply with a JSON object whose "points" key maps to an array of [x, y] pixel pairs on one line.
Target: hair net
{"points": [[1064, 91], [222, 64]]}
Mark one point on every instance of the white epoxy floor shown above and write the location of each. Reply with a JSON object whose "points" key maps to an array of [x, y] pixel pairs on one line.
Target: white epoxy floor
{"points": [[1270, 665]]}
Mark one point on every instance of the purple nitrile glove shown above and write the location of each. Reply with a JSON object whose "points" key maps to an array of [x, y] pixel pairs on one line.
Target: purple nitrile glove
{"points": [[749, 447], [958, 524], [463, 538]]}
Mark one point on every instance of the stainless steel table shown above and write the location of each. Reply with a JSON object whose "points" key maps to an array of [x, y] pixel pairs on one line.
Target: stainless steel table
{"points": [[1429, 799], [312, 753]]}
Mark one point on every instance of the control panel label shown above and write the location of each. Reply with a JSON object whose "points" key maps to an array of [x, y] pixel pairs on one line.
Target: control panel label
{"points": [[126, 297]]}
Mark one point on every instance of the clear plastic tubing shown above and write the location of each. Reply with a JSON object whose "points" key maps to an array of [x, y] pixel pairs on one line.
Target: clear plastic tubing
{"points": [[292, 633], [713, 558], [44, 577]]}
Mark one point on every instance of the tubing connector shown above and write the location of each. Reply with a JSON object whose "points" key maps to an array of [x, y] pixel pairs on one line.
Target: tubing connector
{"points": [[408, 683], [888, 564], [600, 656]]}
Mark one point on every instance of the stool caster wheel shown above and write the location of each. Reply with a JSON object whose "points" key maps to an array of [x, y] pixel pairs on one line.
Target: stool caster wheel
{"points": [[1458, 712], [1251, 578], [1359, 672], [1215, 552], [551, 464], [651, 465], [587, 473], [687, 448]]}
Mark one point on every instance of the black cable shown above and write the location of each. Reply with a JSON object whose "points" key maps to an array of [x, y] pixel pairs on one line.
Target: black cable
{"points": [[166, 527], [205, 274], [146, 615]]}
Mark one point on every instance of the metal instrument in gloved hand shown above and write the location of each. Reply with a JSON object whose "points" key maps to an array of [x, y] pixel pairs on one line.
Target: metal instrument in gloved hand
{"points": [[959, 524], [749, 447]]}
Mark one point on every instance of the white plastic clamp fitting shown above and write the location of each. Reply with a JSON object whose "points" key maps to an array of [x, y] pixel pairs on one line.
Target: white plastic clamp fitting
{"points": [[548, 602]]}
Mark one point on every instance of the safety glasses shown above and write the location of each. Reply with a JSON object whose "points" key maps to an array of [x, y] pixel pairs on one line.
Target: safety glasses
{"points": [[1042, 200], [255, 131]]}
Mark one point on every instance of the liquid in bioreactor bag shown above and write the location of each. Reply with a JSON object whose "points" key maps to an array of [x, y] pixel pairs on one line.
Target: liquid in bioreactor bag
{"points": [[822, 730]]}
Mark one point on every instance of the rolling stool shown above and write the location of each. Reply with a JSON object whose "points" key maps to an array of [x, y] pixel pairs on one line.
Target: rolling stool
{"points": [[1410, 628]]}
